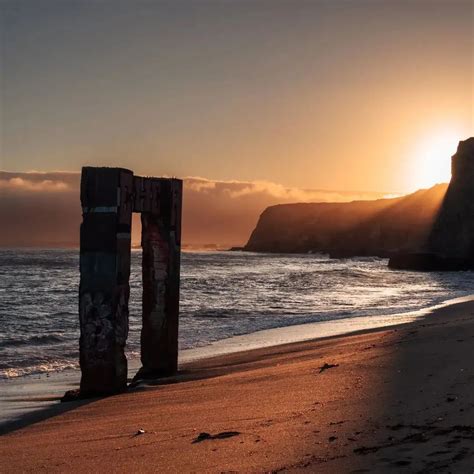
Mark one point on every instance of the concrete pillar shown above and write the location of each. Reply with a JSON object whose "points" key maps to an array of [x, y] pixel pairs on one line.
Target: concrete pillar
{"points": [[107, 202], [160, 201]]}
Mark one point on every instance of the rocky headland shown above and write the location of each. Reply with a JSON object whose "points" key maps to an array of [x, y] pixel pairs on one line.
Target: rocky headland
{"points": [[431, 229], [359, 228]]}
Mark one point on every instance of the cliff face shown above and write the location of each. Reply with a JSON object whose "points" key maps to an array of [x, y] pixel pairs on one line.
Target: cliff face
{"points": [[359, 228], [453, 231], [450, 243], [431, 229]]}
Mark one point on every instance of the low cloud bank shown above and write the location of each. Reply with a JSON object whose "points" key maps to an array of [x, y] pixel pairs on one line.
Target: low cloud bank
{"points": [[43, 209]]}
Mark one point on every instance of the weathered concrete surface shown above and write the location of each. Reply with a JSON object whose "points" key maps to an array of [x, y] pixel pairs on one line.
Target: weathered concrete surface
{"points": [[160, 205], [108, 197], [104, 285]]}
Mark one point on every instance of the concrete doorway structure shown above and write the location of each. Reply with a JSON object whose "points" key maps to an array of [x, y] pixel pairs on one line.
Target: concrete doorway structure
{"points": [[109, 196]]}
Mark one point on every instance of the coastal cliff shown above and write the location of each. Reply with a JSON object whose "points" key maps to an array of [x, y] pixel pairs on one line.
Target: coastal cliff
{"points": [[453, 230], [450, 244], [359, 228], [431, 229]]}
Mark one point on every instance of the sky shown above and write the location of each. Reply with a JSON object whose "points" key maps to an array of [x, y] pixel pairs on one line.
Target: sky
{"points": [[337, 95]]}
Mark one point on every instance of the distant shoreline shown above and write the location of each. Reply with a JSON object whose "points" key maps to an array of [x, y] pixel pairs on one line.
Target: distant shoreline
{"points": [[134, 246]]}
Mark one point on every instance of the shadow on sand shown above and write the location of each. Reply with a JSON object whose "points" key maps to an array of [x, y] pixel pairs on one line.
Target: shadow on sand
{"points": [[35, 416], [397, 400]]}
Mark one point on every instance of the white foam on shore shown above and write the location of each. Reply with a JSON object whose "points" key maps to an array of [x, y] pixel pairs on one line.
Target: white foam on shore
{"points": [[23, 395], [309, 331]]}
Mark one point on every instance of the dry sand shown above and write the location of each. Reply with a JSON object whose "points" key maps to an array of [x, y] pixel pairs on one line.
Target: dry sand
{"points": [[396, 400]]}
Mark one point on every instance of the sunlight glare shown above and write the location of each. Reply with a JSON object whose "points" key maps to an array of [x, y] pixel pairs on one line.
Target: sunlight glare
{"points": [[432, 159]]}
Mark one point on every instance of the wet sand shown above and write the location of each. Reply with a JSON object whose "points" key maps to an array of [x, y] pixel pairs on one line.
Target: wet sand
{"points": [[390, 400]]}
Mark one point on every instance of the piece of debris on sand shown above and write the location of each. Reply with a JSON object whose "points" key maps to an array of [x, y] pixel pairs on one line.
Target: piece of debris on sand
{"points": [[207, 436], [327, 366]]}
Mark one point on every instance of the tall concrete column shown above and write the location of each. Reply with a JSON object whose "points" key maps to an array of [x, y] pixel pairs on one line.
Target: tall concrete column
{"points": [[106, 198], [160, 202]]}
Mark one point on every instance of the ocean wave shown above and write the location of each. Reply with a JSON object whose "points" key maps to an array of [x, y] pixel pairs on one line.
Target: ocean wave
{"points": [[36, 369], [222, 294], [212, 314], [34, 340]]}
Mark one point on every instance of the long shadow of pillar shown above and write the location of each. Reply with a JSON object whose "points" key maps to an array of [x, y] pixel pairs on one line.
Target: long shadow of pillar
{"points": [[104, 284], [160, 201]]}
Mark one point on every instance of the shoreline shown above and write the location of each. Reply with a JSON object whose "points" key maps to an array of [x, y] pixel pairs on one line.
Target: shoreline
{"points": [[397, 398], [313, 331], [26, 397]]}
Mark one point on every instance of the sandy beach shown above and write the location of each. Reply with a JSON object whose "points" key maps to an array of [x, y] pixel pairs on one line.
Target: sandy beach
{"points": [[237, 236], [389, 400]]}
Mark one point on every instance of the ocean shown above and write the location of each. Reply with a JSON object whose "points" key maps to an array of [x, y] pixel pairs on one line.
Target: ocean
{"points": [[223, 294]]}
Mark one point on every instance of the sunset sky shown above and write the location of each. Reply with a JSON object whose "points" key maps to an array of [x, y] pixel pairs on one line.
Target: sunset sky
{"points": [[340, 95]]}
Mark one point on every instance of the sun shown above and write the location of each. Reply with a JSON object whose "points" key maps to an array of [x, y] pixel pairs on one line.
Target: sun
{"points": [[431, 160]]}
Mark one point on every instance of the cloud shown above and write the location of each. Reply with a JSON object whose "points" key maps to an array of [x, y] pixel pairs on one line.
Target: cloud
{"points": [[200, 184], [286, 194], [46, 185], [43, 208], [240, 189], [37, 181]]}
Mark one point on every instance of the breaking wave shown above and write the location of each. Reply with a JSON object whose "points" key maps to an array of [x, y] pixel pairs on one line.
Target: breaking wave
{"points": [[223, 294]]}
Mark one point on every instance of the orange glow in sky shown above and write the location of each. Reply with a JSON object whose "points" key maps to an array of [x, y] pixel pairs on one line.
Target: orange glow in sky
{"points": [[430, 161], [340, 95]]}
